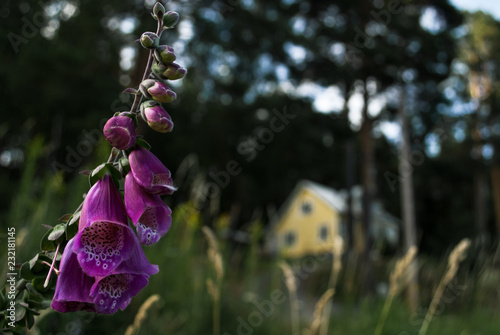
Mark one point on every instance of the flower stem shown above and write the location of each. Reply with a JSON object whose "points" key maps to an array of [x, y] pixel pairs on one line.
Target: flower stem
{"points": [[147, 70], [51, 266]]}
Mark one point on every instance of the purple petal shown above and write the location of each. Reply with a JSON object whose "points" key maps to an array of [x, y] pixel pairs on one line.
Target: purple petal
{"points": [[150, 173], [149, 213], [120, 132], [102, 203], [73, 285], [137, 263], [102, 246], [115, 291]]}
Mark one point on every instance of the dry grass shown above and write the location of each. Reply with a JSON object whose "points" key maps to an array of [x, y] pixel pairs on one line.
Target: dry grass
{"points": [[214, 286], [142, 314], [337, 251], [291, 285], [318, 312], [398, 280], [457, 255]]}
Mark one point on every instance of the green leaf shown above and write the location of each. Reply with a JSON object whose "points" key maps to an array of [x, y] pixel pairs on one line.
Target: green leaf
{"points": [[30, 319], [26, 295], [45, 243], [57, 232], [141, 142], [71, 231], [37, 267], [26, 272], [65, 217], [103, 169], [97, 174], [2, 300], [20, 312], [75, 218], [32, 262], [38, 284]]}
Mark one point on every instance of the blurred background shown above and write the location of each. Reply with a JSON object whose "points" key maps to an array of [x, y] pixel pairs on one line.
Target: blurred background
{"points": [[298, 122]]}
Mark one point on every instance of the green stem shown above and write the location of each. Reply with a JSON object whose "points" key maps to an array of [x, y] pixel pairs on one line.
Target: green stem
{"points": [[384, 314]]}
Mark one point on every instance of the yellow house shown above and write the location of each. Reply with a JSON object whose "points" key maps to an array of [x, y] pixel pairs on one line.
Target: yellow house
{"points": [[313, 214], [308, 221]]}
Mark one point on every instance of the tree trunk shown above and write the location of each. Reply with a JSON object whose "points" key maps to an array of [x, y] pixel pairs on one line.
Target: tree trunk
{"points": [[495, 181], [369, 188], [408, 203]]}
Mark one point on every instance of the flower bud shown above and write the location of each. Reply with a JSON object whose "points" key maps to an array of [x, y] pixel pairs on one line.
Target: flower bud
{"points": [[170, 71], [154, 89], [165, 54], [156, 117], [149, 40], [170, 19], [120, 132], [158, 11]]}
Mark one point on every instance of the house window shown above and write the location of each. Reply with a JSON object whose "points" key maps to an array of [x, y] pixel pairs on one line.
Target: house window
{"points": [[323, 233], [306, 207], [290, 239]]}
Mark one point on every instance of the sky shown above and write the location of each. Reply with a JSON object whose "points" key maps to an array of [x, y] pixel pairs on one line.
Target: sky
{"points": [[490, 6]]}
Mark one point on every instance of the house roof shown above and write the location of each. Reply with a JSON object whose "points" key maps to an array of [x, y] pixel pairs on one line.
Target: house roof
{"points": [[335, 199], [330, 196]]}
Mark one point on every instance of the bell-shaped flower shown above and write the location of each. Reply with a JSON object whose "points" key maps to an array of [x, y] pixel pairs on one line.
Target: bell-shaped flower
{"points": [[73, 285], [148, 212], [120, 132], [149, 172], [76, 290], [117, 289], [156, 116], [104, 239]]}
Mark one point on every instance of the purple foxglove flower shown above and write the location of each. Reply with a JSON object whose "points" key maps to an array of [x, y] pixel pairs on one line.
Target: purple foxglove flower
{"points": [[75, 290], [120, 132], [148, 212], [156, 116], [156, 90], [117, 289], [165, 54], [104, 238], [149, 172], [73, 285], [170, 71]]}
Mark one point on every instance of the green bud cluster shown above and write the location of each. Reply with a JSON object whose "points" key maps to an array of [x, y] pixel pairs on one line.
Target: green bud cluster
{"points": [[156, 91]]}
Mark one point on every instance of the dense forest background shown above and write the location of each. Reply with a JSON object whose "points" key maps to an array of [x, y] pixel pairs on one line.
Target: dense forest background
{"points": [[400, 97], [343, 71]]}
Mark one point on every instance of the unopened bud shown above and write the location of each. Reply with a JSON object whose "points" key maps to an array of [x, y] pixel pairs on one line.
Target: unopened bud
{"points": [[170, 19], [156, 116], [149, 40], [158, 11], [155, 89], [170, 71], [165, 54], [120, 132]]}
